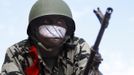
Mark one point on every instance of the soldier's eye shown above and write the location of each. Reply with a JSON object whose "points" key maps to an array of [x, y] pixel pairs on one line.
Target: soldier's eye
{"points": [[47, 21], [61, 22]]}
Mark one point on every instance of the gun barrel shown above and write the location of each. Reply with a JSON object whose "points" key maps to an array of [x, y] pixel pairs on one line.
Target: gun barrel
{"points": [[104, 20]]}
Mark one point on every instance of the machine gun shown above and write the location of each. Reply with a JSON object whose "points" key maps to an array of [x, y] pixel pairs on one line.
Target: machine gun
{"points": [[104, 20]]}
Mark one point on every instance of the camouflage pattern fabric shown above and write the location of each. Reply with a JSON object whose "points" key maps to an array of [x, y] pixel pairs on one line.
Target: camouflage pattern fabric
{"points": [[70, 62]]}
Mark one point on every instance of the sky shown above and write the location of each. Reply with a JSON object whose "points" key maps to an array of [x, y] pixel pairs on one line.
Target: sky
{"points": [[116, 46]]}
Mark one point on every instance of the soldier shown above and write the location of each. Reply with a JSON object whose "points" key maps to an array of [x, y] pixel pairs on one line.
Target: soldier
{"points": [[51, 47]]}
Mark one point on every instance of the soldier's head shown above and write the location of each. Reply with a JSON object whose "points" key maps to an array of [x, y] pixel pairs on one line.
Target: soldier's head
{"points": [[50, 23]]}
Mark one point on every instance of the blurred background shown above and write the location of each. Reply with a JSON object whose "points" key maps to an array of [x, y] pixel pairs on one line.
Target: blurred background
{"points": [[117, 43]]}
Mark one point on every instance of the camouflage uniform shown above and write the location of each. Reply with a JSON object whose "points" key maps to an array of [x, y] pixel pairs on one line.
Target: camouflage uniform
{"points": [[25, 59], [71, 61]]}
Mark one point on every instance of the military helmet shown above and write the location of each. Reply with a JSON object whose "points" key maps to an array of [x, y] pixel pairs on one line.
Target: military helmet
{"points": [[52, 7]]}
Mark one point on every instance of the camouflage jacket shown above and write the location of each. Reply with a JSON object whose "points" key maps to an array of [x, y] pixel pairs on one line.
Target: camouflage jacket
{"points": [[70, 62]]}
